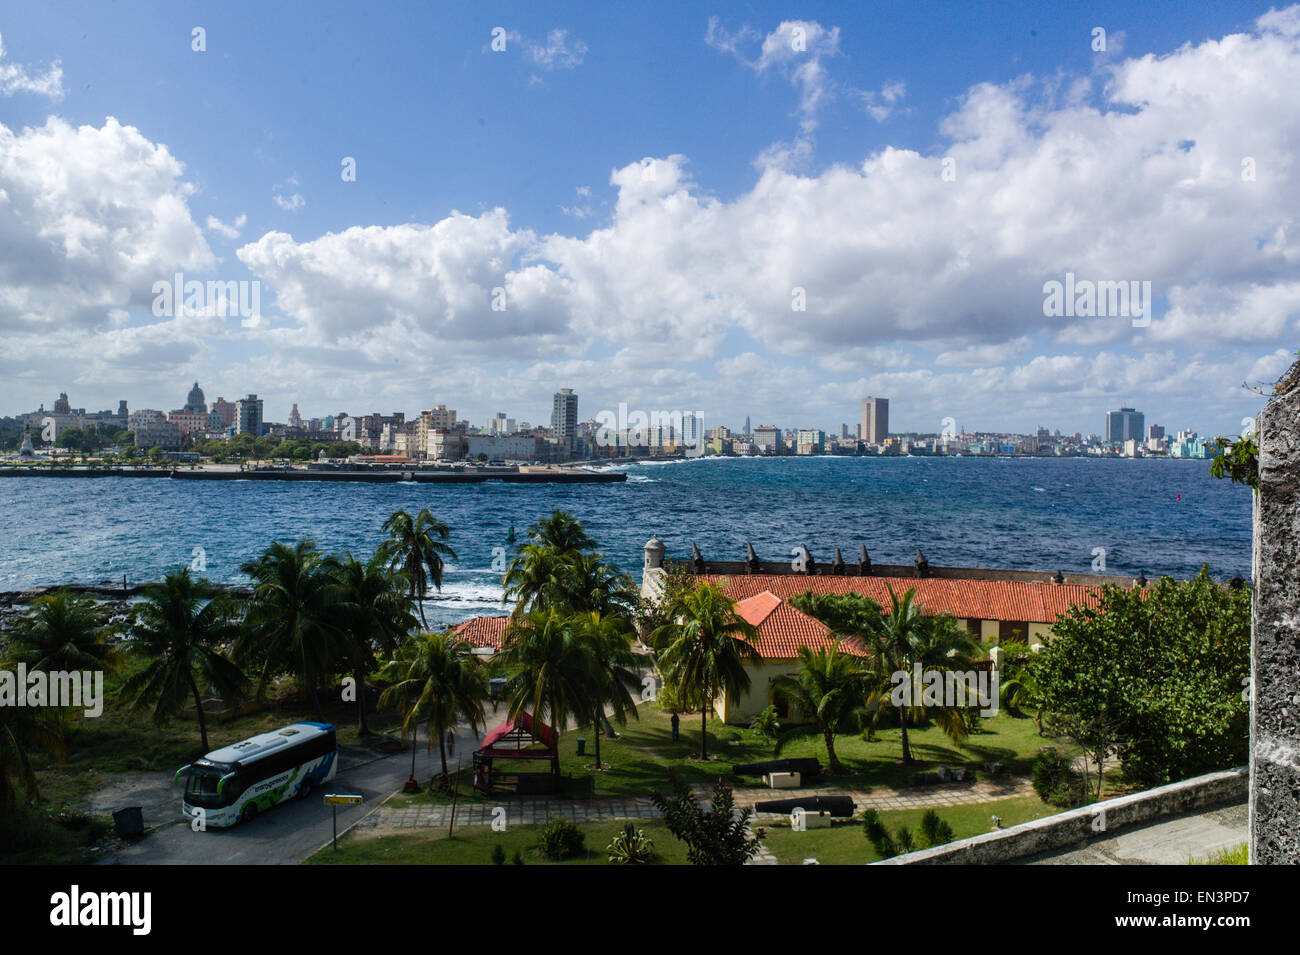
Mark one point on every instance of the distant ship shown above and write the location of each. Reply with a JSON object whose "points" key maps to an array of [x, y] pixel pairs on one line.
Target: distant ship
{"points": [[510, 538]]}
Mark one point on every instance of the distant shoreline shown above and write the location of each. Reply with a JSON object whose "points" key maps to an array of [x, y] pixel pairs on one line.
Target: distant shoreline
{"points": [[470, 475]]}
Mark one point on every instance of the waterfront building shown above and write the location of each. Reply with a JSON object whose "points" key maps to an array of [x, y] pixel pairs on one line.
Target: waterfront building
{"points": [[564, 417], [875, 420], [157, 433], [248, 416], [810, 441], [516, 447], [225, 412], [767, 439], [1123, 425]]}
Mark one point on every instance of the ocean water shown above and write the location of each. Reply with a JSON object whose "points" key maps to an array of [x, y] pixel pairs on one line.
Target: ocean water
{"points": [[1157, 516]]}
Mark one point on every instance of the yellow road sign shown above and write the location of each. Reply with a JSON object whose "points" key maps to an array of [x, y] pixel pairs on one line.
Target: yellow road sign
{"points": [[332, 799]]}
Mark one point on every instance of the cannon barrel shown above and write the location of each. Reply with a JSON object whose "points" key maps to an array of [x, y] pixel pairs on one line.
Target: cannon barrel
{"points": [[804, 767], [841, 806]]}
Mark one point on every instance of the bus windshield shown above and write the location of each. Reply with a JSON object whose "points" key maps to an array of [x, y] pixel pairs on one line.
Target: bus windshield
{"points": [[201, 788]]}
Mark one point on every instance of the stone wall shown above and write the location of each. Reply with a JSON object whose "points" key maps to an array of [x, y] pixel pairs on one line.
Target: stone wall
{"points": [[1077, 826], [1275, 642]]}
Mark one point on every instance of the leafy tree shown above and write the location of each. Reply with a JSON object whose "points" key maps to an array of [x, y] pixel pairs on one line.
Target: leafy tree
{"points": [[436, 678], [293, 623], [417, 547], [704, 649], [181, 628], [1162, 671], [829, 689], [720, 836], [376, 616], [846, 614], [62, 632]]}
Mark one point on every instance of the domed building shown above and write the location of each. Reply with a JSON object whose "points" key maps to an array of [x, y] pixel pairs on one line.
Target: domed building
{"points": [[195, 402]]}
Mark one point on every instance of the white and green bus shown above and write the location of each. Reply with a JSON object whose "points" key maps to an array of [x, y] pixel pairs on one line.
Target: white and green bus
{"points": [[237, 782]]}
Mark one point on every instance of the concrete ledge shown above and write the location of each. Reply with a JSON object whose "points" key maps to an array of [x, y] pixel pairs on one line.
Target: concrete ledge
{"points": [[1077, 826]]}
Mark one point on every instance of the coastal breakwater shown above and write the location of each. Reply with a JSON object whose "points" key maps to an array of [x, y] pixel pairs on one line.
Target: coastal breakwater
{"points": [[415, 475]]}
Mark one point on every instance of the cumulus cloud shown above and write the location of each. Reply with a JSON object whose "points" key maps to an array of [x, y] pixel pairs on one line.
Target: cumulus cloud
{"points": [[14, 78], [90, 218]]}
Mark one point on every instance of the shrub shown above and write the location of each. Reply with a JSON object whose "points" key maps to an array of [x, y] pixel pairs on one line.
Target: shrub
{"points": [[765, 724], [631, 846], [517, 859], [561, 839], [1055, 781], [934, 831], [498, 855]]}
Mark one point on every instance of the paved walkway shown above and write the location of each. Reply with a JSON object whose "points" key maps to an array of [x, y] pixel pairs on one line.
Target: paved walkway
{"points": [[535, 810], [1170, 841]]}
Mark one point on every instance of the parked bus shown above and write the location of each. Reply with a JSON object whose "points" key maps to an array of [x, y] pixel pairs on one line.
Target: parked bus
{"points": [[237, 782]]}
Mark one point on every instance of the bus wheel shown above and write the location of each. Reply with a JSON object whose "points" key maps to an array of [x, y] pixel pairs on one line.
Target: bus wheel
{"points": [[250, 812], [305, 789]]}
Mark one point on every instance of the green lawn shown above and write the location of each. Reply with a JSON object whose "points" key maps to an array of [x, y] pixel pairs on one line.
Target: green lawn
{"points": [[845, 843], [638, 761], [473, 846]]}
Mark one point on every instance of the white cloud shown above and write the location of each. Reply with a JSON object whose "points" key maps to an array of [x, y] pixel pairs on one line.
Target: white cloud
{"points": [[228, 231], [14, 78], [558, 51], [291, 204], [90, 218]]}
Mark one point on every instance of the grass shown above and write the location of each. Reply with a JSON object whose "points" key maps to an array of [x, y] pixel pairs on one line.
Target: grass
{"points": [[1235, 855], [44, 836], [473, 846], [845, 843], [639, 760]]}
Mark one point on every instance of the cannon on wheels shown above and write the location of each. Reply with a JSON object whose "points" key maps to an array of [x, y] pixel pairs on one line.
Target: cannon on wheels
{"points": [[840, 807]]}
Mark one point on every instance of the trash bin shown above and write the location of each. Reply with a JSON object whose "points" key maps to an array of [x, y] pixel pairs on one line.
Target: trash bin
{"points": [[582, 746], [129, 822]]}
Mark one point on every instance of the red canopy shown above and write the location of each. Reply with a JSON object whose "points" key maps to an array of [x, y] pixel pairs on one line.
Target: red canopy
{"points": [[513, 738]]}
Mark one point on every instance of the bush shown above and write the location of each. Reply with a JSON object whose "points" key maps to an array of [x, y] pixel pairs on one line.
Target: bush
{"points": [[561, 839], [630, 847], [765, 724], [1055, 781], [934, 831], [498, 855], [516, 859]]}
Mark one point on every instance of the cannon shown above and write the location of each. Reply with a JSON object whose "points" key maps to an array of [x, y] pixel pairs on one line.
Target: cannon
{"points": [[839, 806], [804, 767]]}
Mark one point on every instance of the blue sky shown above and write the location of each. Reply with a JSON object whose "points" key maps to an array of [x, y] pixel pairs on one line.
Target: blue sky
{"points": [[649, 184]]}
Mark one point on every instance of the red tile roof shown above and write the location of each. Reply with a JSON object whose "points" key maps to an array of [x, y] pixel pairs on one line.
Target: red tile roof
{"points": [[483, 631], [783, 629], [1022, 601]]}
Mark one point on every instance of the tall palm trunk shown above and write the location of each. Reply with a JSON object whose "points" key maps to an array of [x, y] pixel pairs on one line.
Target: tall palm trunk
{"points": [[359, 677], [596, 725], [704, 730], [442, 747], [902, 722], [203, 720], [831, 758]]}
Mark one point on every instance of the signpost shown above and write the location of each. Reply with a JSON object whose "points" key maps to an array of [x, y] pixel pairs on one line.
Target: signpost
{"points": [[334, 800]]}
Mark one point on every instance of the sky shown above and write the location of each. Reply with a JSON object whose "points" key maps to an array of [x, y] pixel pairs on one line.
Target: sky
{"points": [[765, 210]]}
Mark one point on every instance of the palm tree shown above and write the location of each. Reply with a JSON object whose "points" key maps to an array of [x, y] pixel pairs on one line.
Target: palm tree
{"points": [[553, 672], [375, 615], [293, 620], [617, 672], [562, 531], [829, 687], [22, 729], [590, 584], [417, 547], [537, 578], [1018, 684], [705, 648], [181, 628], [436, 678], [906, 637], [62, 632]]}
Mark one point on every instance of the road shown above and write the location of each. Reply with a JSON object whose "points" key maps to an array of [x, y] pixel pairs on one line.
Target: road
{"points": [[283, 836]]}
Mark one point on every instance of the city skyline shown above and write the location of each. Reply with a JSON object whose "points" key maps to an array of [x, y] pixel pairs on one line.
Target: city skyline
{"points": [[351, 264]]}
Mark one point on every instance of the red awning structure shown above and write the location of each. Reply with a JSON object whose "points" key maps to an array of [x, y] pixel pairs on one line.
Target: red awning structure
{"points": [[519, 738], [513, 739]]}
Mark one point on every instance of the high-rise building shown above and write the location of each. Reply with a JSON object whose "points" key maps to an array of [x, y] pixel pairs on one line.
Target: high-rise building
{"points": [[225, 411], [295, 419], [248, 415], [746, 432], [1155, 431], [564, 416], [875, 420], [1124, 425]]}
